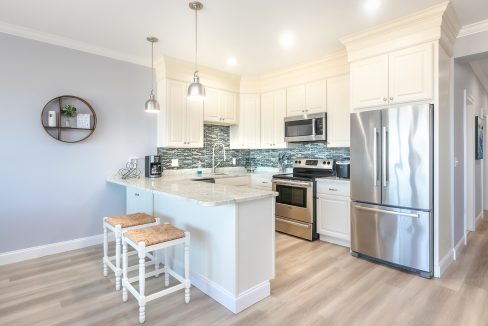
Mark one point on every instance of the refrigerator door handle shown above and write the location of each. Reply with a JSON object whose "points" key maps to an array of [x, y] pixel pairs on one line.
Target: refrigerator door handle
{"points": [[384, 211], [384, 155], [375, 156]]}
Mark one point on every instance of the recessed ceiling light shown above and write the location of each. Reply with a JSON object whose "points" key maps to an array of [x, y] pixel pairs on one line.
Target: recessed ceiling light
{"points": [[372, 5], [287, 40], [231, 61]]}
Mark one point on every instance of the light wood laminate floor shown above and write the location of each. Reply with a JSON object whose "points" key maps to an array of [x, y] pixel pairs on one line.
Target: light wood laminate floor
{"points": [[316, 284]]}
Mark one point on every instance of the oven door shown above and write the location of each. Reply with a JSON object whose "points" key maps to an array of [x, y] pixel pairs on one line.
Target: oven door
{"points": [[294, 200]]}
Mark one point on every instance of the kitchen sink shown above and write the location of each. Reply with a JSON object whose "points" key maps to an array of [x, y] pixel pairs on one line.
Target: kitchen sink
{"points": [[208, 180]]}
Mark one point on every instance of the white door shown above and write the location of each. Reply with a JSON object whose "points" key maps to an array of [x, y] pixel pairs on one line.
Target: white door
{"points": [[211, 105], [267, 120], [338, 112], [176, 113], [228, 108], [333, 217], [279, 118], [369, 82], [194, 130], [316, 97], [411, 74], [295, 100]]}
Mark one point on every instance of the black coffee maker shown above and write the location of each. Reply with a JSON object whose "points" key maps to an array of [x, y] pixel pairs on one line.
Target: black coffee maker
{"points": [[154, 169]]}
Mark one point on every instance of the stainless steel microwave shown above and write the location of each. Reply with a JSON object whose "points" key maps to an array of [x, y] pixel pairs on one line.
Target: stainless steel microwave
{"points": [[307, 127]]}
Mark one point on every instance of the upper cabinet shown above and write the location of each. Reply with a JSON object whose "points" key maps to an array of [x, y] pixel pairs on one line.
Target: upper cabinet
{"points": [[394, 78], [181, 121], [273, 112], [220, 107], [247, 134], [338, 115], [307, 98]]}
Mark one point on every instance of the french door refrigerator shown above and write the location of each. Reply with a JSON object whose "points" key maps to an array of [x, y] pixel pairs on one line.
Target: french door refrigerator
{"points": [[392, 187]]}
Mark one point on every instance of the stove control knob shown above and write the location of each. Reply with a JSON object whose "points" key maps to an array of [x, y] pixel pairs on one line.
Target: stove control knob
{"points": [[299, 162], [328, 162], [296, 162], [324, 163]]}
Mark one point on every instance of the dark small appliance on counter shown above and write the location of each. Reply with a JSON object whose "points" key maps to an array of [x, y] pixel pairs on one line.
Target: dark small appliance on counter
{"points": [[154, 169], [343, 169]]}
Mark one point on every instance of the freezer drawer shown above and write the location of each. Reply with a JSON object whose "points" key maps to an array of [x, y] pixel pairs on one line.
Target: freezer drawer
{"points": [[398, 236]]}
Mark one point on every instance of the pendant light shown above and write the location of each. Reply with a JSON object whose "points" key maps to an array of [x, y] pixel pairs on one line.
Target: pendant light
{"points": [[196, 91], [152, 105]]}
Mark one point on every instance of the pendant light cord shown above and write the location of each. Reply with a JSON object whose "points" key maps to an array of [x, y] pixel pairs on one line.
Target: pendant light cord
{"points": [[196, 37], [152, 67]]}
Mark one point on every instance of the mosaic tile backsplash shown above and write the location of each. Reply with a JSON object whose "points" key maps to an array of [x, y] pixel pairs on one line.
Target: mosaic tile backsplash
{"points": [[191, 157]]}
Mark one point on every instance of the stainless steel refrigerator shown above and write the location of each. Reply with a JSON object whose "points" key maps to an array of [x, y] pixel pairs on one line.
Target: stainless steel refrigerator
{"points": [[392, 187]]}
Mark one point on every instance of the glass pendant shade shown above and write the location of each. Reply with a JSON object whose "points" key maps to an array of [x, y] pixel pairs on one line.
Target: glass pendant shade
{"points": [[196, 91], [152, 105]]}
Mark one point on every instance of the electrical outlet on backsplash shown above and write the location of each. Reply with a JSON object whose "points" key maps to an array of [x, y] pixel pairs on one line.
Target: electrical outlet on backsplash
{"points": [[190, 157]]}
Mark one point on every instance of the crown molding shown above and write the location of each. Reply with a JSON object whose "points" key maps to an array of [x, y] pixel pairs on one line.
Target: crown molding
{"points": [[475, 28], [65, 42]]}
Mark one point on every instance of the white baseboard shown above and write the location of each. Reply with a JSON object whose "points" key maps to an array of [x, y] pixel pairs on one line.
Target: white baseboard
{"points": [[224, 297], [458, 247], [445, 262], [16, 256], [478, 220], [337, 241]]}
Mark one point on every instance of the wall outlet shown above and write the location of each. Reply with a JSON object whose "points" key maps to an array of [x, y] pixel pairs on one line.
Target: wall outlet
{"points": [[175, 163], [234, 161]]}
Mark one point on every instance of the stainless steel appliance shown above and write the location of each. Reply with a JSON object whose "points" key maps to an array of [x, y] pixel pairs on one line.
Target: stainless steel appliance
{"points": [[392, 187], [154, 168], [307, 127], [343, 169], [295, 211]]}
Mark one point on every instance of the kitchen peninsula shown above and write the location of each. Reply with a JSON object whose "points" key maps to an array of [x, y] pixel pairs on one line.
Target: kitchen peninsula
{"points": [[232, 254]]}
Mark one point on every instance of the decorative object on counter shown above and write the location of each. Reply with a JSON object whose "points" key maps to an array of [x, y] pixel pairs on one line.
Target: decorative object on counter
{"points": [[67, 107], [52, 119], [480, 128], [196, 91], [68, 112], [199, 169], [130, 170], [152, 105], [154, 168], [83, 120], [283, 159]]}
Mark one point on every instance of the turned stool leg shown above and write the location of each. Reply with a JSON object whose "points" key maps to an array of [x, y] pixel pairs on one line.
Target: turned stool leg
{"points": [[142, 281], [157, 259], [105, 250], [118, 270], [166, 267], [124, 270], [187, 267]]}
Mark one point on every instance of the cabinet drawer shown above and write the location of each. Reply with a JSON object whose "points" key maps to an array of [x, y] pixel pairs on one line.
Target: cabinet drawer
{"points": [[334, 187], [262, 181]]}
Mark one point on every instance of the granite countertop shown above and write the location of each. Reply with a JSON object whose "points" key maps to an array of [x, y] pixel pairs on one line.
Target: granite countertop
{"points": [[206, 194]]}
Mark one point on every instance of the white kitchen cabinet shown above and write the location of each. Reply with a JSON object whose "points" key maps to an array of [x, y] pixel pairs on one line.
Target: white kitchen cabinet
{"points": [[262, 181], [220, 107], [180, 121], [394, 78], [247, 134], [411, 74], [334, 211], [307, 98], [338, 112], [273, 111], [138, 201]]}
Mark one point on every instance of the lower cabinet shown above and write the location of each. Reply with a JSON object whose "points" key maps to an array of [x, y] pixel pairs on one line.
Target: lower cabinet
{"points": [[333, 218], [138, 201]]}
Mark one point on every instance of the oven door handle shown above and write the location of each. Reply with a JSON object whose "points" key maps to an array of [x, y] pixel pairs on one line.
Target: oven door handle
{"points": [[294, 184]]}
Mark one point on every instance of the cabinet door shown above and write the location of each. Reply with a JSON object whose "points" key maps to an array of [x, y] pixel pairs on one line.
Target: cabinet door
{"points": [[228, 107], [369, 82], [411, 74], [138, 201], [211, 105], [250, 120], [316, 97], [338, 112], [333, 218], [267, 120], [194, 123], [295, 100], [279, 107], [176, 113]]}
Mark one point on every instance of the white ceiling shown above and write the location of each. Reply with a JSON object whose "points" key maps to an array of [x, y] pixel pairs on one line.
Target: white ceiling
{"points": [[246, 29]]}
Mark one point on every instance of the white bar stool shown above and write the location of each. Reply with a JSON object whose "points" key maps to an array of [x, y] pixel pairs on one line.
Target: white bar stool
{"points": [[117, 224], [148, 240]]}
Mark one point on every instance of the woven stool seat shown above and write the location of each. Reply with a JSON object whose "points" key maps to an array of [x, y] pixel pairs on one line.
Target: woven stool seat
{"points": [[155, 234], [129, 220]]}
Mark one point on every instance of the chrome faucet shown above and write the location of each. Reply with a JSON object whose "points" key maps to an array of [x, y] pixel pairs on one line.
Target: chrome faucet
{"points": [[213, 155]]}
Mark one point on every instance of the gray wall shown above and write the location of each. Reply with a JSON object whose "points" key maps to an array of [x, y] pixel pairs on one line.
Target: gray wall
{"points": [[464, 78], [52, 191]]}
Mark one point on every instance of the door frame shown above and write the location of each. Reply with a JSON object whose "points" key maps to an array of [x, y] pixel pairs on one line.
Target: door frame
{"points": [[469, 165]]}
